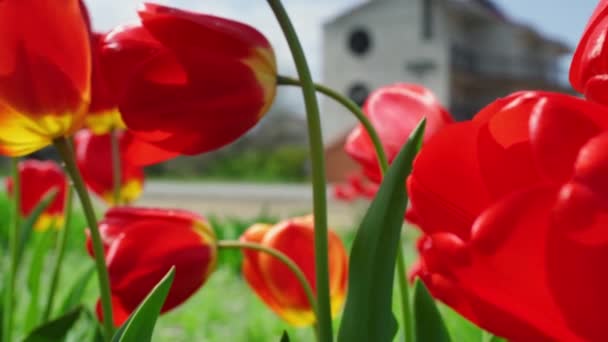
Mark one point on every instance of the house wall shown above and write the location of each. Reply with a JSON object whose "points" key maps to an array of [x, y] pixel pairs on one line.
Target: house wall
{"points": [[396, 46]]}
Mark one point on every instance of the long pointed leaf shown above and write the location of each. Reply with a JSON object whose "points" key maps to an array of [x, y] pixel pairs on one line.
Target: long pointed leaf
{"points": [[56, 329], [428, 322], [27, 226], [33, 279], [368, 312], [74, 296], [139, 326]]}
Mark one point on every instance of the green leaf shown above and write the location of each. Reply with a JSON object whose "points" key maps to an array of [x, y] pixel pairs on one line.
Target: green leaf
{"points": [[459, 328], [285, 336], [27, 226], [139, 326], [429, 325], [56, 329], [74, 296], [36, 268], [368, 312], [491, 338]]}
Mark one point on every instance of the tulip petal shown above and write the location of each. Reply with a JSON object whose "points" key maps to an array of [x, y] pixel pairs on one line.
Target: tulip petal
{"points": [[193, 82], [446, 188], [138, 260], [560, 125], [509, 241], [394, 111], [577, 252], [588, 71], [276, 284], [94, 159], [44, 72], [37, 178]]}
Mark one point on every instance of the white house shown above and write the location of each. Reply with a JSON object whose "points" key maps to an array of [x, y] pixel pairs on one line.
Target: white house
{"points": [[467, 51]]}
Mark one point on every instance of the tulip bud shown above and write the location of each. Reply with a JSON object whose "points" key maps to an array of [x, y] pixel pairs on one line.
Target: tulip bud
{"points": [[141, 247], [36, 179], [275, 283], [394, 111], [193, 94], [94, 159]]}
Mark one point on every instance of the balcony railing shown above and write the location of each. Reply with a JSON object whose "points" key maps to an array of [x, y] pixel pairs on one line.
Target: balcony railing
{"points": [[524, 68]]}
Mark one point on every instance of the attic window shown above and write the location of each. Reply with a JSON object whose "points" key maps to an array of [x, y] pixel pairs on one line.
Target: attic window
{"points": [[427, 19], [359, 41], [358, 92]]}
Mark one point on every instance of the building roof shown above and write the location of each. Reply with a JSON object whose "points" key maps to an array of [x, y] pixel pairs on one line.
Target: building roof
{"points": [[486, 8]]}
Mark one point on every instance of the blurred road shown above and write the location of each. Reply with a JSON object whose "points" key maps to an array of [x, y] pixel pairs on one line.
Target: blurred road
{"points": [[246, 200]]}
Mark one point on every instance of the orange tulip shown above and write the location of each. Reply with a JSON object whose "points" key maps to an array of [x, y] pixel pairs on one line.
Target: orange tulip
{"points": [[45, 72], [275, 283], [36, 179]]}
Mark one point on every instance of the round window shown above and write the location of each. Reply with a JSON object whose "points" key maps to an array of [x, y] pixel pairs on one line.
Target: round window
{"points": [[358, 92], [359, 41]]}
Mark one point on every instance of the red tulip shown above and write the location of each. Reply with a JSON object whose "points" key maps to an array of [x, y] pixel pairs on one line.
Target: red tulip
{"points": [[514, 205], [188, 82], [589, 69], [394, 111], [276, 285], [36, 179], [141, 247], [94, 159], [103, 115], [44, 73], [354, 188]]}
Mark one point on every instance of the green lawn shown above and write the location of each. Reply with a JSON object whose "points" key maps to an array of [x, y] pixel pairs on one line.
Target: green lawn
{"points": [[224, 309]]}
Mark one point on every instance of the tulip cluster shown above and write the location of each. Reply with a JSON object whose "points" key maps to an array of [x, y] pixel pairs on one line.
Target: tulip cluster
{"points": [[512, 205], [157, 96]]}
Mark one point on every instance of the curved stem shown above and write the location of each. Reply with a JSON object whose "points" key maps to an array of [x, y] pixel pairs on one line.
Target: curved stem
{"points": [[286, 261], [353, 108], [383, 162], [318, 171], [13, 241], [116, 167], [66, 153], [60, 251]]}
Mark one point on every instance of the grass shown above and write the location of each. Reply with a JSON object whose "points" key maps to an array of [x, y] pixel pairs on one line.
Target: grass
{"points": [[224, 309]]}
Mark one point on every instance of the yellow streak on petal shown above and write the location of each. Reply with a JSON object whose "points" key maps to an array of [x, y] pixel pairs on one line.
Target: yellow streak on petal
{"points": [[47, 221], [22, 134], [104, 122], [129, 192], [303, 317], [263, 63], [204, 230]]}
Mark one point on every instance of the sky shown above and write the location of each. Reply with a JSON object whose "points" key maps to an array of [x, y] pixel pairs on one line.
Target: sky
{"points": [[563, 20]]}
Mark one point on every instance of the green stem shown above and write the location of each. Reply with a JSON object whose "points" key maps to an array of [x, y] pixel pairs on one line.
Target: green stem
{"points": [[383, 162], [13, 241], [284, 259], [318, 171], [116, 167], [352, 107], [60, 254], [66, 153]]}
